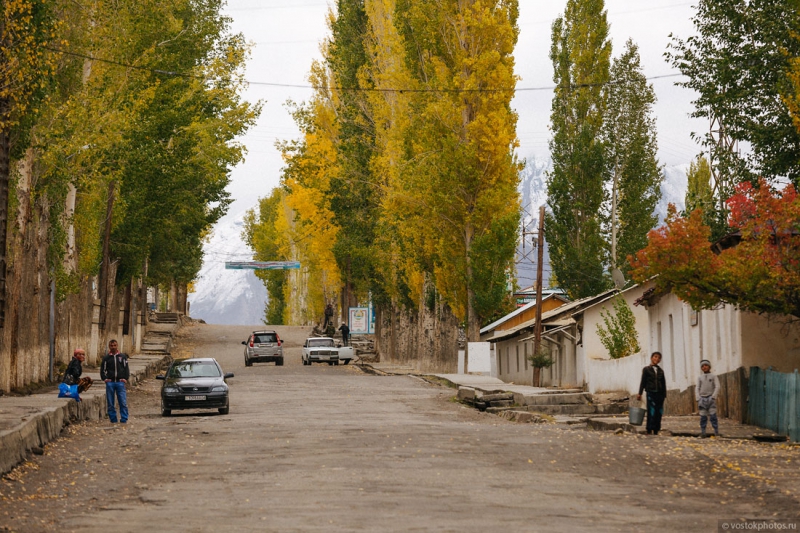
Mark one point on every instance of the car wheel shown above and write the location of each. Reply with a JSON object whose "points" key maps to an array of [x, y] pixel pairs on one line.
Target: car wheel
{"points": [[279, 362], [347, 361], [224, 410], [165, 412], [330, 363], [336, 363], [247, 362]]}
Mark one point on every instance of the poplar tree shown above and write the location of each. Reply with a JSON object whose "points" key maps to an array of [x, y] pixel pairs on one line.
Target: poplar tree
{"points": [[462, 172], [354, 197], [631, 152], [698, 190], [580, 54]]}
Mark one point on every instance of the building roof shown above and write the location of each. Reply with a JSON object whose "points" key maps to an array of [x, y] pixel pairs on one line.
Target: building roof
{"points": [[520, 310], [564, 312]]}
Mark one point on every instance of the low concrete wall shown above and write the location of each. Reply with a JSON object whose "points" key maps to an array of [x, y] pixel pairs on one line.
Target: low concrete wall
{"points": [[28, 422], [608, 375]]}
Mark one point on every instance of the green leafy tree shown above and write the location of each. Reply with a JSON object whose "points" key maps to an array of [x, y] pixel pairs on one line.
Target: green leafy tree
{"points": [[354, 195], [262, 235], [631, 156], [580, 54], [459, 186], [618, 331], [739, 62], [698, 191]]}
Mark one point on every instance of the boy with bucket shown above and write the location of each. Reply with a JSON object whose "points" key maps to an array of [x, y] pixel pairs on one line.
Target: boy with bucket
{"points": [[706, 396], [654, 382]]}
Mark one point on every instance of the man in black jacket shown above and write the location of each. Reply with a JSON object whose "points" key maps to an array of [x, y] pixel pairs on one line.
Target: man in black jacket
{"points": [[114, 371], [345, 333], [654, 382]]}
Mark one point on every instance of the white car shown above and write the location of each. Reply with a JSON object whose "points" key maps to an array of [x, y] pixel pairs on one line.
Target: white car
{"points": [[325, 350]]}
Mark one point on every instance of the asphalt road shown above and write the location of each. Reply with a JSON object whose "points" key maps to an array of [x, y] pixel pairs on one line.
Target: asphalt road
{"points": [[329, 448]]}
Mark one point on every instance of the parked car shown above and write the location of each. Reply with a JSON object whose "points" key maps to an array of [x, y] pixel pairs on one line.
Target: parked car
{"points": [[194, 384], [263, 347], [320, 350]]}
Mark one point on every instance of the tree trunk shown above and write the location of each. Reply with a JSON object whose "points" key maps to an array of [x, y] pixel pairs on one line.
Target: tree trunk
{"points": [[5, 156]]}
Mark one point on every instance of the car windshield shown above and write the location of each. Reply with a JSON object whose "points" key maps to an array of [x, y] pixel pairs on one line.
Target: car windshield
{"points": [[317, 343], [194, 369], [264, 338]]}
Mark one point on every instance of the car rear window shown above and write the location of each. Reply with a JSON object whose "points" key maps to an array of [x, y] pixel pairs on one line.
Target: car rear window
{"points": [[318, 343], [204, 369], [263, 338]]}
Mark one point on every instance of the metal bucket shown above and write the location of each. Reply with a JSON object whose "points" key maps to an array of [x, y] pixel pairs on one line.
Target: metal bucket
{"points": [[636, 416]]}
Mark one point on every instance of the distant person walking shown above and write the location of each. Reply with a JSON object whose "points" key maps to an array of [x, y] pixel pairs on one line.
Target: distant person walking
{"points": [[654, 382], [115, 372], [328, 317], [706, 395], [345, 333], [72, 376]]}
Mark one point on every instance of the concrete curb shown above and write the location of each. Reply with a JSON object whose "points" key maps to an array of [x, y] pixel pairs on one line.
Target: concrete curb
{"points": [[42, 417]]}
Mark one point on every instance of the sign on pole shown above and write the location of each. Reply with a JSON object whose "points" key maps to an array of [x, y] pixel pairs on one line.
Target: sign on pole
{"points": [[360, 321], [262, 265]]}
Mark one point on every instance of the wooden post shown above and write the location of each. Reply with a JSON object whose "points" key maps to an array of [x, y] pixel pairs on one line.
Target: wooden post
{"points": [[537, 339]]}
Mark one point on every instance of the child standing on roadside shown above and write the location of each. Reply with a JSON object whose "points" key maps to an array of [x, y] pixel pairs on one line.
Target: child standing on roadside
{"points": [[655, 383], [706, 395]]}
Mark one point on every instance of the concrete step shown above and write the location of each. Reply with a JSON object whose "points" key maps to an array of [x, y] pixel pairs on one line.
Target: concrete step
{"points": [[579, 409], [568, 398]]}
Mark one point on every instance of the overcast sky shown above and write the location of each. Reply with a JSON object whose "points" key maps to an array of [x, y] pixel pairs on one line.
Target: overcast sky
{"points": [[286, 36]]}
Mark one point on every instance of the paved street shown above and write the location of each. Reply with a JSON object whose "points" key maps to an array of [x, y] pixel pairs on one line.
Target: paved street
{"points": [[329, 448]]}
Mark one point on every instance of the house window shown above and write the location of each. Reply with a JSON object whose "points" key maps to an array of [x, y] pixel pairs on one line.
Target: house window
{"points": [[672, 347], [499, 354], [526, 356], [517, 357], [659, 348]]}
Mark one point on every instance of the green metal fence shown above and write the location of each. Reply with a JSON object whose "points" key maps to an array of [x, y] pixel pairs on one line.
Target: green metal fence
{"points": [[774, 401]]}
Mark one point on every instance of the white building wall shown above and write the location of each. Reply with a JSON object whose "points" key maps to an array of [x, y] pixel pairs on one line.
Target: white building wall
{"points": [[683, 337], [592, 347]]}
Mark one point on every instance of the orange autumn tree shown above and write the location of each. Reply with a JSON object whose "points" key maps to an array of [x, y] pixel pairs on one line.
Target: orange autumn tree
{"points": [[757, 268]]}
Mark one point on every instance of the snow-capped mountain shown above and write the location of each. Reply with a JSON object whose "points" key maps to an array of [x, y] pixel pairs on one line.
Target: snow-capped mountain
{"points": [[232, 297], [533, 193]]}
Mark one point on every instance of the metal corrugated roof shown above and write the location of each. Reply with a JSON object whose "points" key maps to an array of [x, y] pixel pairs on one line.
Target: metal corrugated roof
{"points": [[516, 312], [575, 306]]}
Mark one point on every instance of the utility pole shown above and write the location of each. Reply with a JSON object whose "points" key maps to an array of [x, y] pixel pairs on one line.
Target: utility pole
{"points": [[537, 339]]}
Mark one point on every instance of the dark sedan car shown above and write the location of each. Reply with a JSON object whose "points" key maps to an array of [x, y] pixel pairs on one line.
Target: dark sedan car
{"points": [[194, 384]]}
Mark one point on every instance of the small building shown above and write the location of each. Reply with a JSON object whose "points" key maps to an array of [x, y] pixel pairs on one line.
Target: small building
{"points": [[513, 343]]}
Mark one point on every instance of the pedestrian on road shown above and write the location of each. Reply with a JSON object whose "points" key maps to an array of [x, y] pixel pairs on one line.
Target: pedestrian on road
{"points": [[654, 382], [328, 317], [345, 333], [115, 372], [72, 376], [706, 395]]}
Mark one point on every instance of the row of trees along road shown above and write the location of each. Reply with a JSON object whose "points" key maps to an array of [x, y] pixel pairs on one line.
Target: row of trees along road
{"points": [[744, 63], [403, 185], [606, 180], [128, 108]]}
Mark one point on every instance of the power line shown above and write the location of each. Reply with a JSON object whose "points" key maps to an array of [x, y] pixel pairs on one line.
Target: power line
{"points": [[339, 88]]}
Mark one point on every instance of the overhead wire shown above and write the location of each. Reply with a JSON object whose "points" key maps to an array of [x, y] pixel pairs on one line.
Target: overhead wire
{"points": [[189, 75]]}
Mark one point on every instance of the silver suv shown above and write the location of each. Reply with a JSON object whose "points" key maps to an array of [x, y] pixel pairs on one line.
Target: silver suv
{"points": [[263, 347]]}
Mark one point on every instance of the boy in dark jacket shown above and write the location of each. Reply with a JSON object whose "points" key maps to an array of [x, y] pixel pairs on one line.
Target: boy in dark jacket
{"points": [[654, 382], [114, 371]]}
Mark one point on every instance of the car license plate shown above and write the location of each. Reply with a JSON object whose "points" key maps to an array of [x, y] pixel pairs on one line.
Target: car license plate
{"points": [[190, 398]]}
